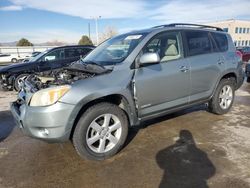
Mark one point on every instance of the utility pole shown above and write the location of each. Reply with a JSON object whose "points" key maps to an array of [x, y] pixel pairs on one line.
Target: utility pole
{"points": [[89, 29], [96, 29]]}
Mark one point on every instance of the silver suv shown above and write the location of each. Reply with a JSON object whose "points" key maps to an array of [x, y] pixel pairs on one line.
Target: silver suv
{"points": [[128, 79]]}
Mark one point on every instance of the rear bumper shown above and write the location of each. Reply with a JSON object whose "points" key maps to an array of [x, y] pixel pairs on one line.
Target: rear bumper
{"points": [[45, 123]]}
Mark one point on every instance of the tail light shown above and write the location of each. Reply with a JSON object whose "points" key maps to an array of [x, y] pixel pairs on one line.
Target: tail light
{"points": [[239, 54]]}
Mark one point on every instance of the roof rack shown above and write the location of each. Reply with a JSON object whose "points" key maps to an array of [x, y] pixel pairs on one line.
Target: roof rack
{"points": [[188, 24]]}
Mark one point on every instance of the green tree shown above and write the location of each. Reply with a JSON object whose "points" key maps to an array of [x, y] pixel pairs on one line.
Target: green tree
{"points": [[24, 42], [85, 40]]}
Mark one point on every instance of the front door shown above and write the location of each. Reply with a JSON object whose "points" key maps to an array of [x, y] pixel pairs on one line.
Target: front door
{"points": [[206, 62], [165, 85], [52, 60]]}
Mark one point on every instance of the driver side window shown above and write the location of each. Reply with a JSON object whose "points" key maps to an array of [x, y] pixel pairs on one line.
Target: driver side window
{"points": [[166, 45], [54, 55]]}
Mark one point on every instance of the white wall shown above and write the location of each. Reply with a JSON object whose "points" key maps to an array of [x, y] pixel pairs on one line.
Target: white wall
{"points": [[22, 51]]}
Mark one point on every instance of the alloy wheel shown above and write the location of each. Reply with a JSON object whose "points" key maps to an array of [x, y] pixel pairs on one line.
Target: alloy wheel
{"points": [[104, 133]]}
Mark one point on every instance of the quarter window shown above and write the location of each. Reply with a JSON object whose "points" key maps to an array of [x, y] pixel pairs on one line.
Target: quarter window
{"points": [[221, 41], [198, 43]]}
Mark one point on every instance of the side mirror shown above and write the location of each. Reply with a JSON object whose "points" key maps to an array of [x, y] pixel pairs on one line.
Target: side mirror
{"points": [[149, 58]]}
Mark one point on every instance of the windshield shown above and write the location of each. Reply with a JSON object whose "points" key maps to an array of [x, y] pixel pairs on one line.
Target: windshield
{"points": [[115, 50], [33, 59]]}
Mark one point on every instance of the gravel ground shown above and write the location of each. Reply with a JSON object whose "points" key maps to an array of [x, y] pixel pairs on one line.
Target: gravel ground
{"points": [[213, 152]]}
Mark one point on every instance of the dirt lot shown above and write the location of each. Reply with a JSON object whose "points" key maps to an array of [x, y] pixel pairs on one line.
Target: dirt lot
{"points": [[214, 152]]}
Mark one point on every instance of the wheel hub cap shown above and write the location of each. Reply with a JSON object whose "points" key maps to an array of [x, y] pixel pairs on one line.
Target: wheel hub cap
{"points": [[226, 97], [104, 133]]}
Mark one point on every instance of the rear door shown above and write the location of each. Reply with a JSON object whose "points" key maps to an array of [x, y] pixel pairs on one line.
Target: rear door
{"points": [[205, 61], [71, 55], [83, 51], [165, 85]]}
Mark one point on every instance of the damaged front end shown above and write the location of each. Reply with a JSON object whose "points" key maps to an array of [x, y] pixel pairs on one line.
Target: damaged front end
{"points": [[64, 76]]}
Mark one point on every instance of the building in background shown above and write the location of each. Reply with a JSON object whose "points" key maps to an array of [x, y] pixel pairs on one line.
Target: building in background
{"points": [[238, 29]]}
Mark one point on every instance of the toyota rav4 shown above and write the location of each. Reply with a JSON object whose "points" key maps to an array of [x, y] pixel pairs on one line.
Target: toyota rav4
{"points": [[126, 80]]}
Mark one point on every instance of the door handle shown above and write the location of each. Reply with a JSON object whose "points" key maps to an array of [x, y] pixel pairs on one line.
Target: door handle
{"points": [[183, 69]]}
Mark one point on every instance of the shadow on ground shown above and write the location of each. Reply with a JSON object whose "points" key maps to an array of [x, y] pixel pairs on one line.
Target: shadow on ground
{"points": [[7, 124], [184, 164]]}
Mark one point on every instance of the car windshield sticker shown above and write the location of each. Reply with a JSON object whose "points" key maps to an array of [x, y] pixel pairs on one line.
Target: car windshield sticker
{"points": [[133, 37]]}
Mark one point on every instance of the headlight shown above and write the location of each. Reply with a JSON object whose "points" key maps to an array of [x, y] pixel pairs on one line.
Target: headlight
{"points": [[48, 96]]}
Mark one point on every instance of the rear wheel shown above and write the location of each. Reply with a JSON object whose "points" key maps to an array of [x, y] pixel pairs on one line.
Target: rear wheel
{"points": [[101, 131], [223, 97], [13, 60], [18, 81]]}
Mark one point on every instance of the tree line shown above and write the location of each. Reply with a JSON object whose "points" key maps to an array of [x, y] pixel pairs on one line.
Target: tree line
{"points": [[84, 40]]}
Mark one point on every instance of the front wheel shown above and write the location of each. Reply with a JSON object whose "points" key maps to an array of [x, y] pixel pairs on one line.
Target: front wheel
{"points": [[19, 81], [223, 97], [101, 131]]}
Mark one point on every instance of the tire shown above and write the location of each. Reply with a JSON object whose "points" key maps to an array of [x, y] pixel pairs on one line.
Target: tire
{"points": [[248, 79], [94, 117], [13, 60], [216, 104], [17, 81]]}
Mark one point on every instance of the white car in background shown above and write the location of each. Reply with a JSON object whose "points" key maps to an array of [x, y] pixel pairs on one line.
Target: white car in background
{"points": [[7, 58]]}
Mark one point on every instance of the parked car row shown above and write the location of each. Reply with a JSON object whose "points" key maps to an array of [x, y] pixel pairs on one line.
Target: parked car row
{"points": [[245, 53], [126, 80], [13, 58], [32, 55], [11, 76]]}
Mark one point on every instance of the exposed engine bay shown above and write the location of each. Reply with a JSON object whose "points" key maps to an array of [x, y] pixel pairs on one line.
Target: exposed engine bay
{"points": [[76, 71]]}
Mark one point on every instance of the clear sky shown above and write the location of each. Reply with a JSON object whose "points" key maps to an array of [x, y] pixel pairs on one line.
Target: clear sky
{"points": [[66, 20]]}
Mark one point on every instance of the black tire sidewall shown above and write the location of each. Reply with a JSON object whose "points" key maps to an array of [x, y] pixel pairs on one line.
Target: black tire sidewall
{"points": [[79, 137], [13, 60]]}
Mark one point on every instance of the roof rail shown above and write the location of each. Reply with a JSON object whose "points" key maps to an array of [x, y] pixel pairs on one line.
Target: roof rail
{"points": [[188, 24]]}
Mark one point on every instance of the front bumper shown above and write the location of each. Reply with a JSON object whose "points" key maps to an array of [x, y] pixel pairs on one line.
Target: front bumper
{"points": [[45, 123]]}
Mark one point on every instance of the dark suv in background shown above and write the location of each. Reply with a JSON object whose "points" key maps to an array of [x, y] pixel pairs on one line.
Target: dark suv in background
{"points": [[12, 75]]}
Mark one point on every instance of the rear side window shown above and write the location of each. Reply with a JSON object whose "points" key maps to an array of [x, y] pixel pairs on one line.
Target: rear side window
{"points": [[198, 43], [70, 52], [221, 41], [83, 51]]}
